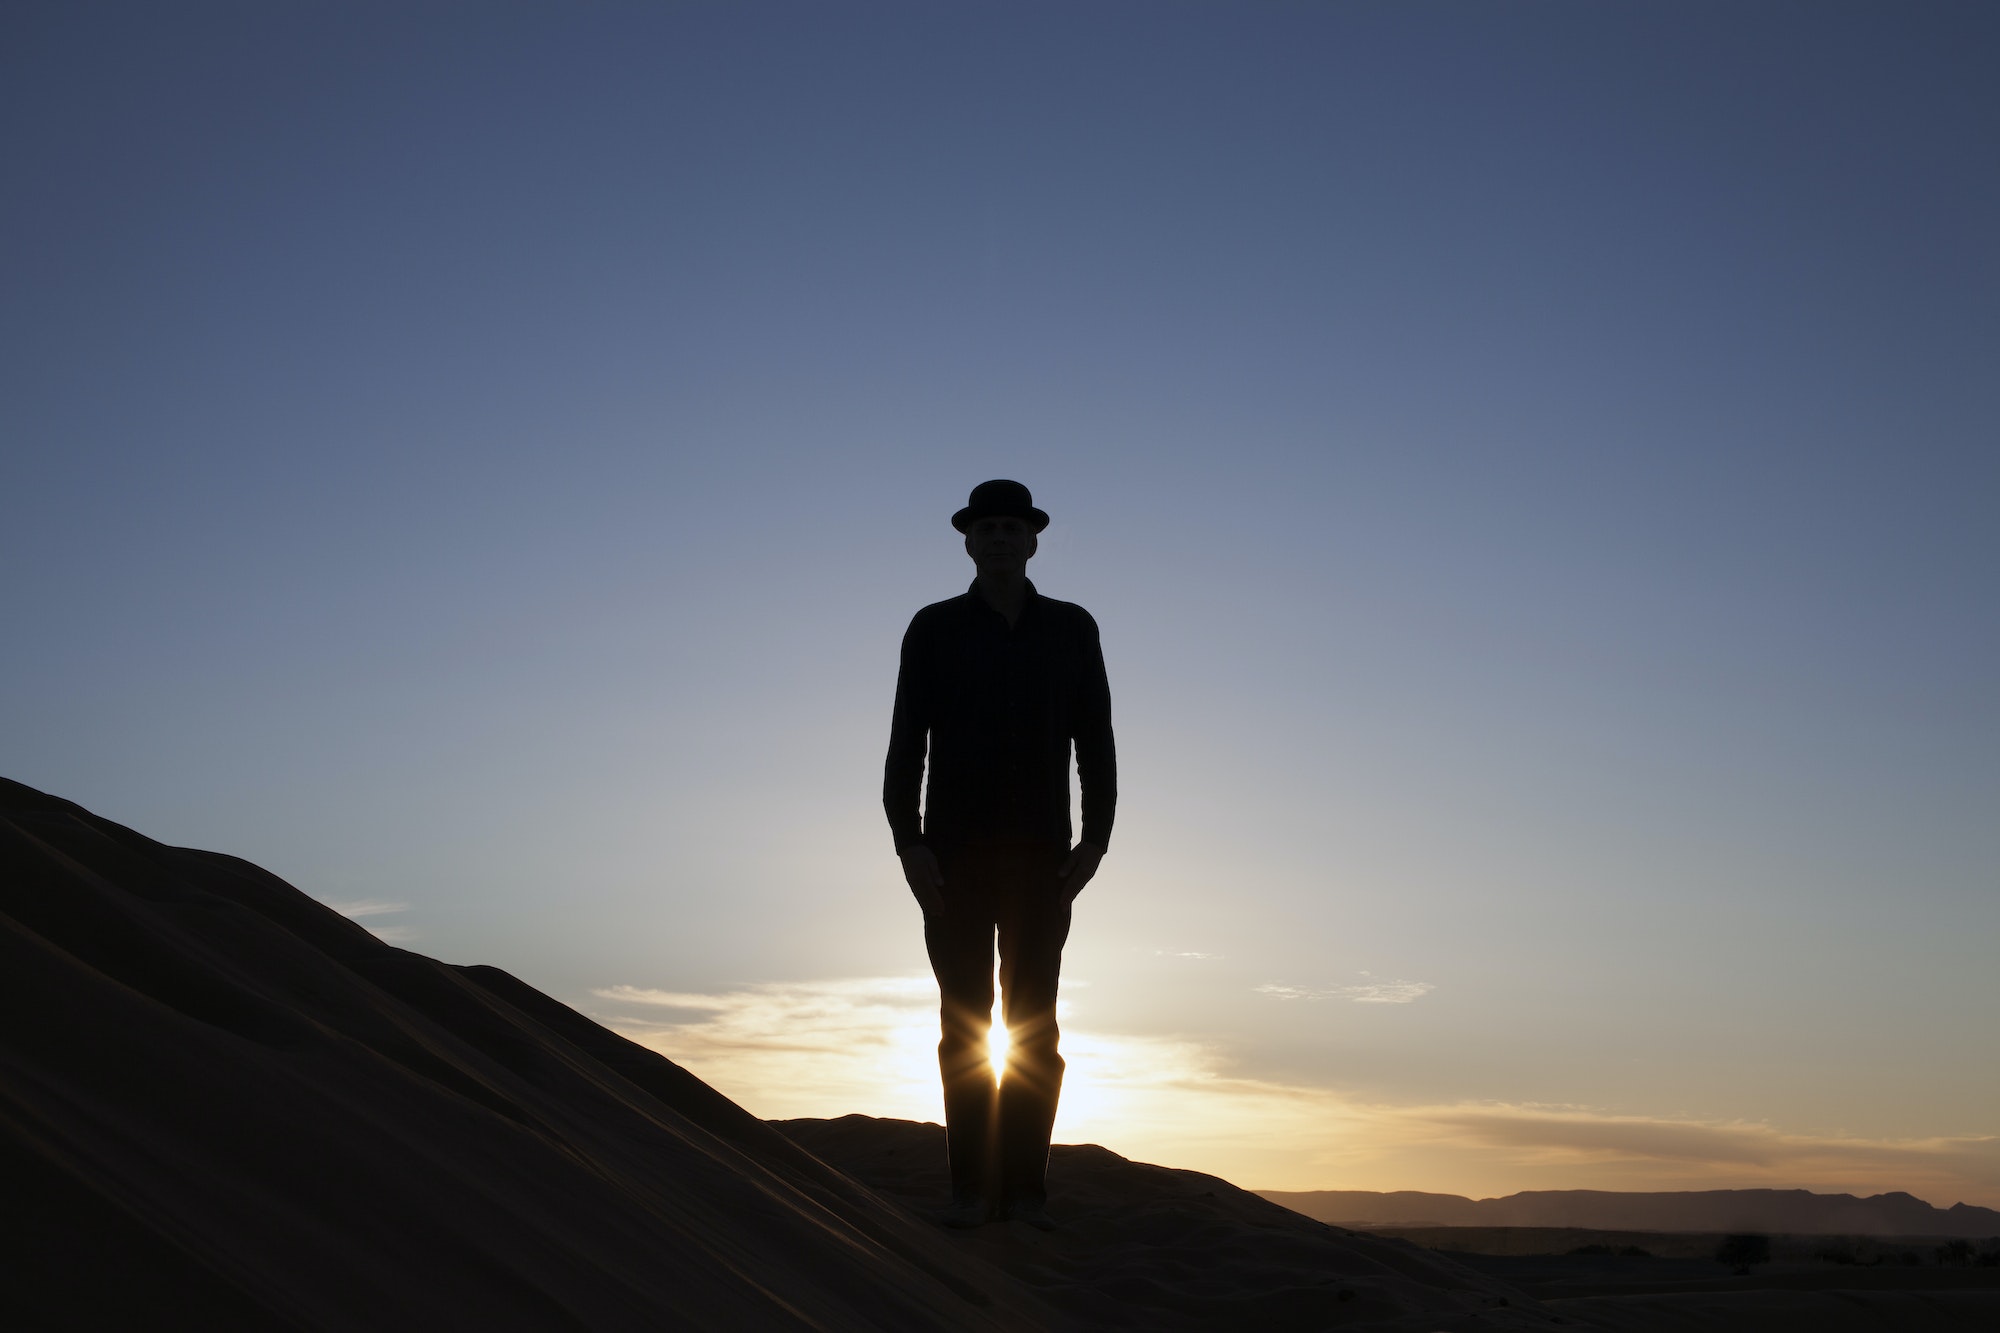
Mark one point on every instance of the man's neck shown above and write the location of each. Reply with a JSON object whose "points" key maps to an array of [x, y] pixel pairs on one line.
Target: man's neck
{"points": [[1006, 593]]}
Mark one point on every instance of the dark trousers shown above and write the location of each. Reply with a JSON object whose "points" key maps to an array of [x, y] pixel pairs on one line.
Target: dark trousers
{"points": [[998, 1135]]}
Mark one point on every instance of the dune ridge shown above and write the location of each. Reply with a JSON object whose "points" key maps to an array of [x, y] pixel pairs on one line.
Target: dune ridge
{"points": [[1154, 1247], [225, 1106]]}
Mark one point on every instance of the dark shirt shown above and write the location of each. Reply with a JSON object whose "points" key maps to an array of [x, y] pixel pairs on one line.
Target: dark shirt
{"points": [[1000, 708]]}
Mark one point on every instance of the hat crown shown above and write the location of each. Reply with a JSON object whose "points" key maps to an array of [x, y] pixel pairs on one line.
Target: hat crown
{"points": [[994, 496], [999, 497]]}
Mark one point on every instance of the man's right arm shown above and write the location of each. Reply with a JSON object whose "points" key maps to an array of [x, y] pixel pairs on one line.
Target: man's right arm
{"points": [[903, 773], [909, 737]]}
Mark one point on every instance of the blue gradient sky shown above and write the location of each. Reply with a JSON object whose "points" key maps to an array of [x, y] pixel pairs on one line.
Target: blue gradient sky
{"points": [[1534, 466]]}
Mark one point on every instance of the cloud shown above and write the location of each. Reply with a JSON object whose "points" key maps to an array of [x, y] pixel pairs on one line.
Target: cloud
{"points": [[355, 909], [801, 1048], [368, 907], [1370, 992], [1573, 1134], [664, 998], [1185, 953], [1580, 1147], [827, 1048]]}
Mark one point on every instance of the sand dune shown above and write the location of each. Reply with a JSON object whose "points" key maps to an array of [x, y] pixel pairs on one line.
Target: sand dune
{"points": [[227, 1107], [223, 1106], [1148, 1247]]}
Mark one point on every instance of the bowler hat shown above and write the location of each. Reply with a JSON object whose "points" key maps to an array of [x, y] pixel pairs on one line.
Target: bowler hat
{"points": [[993, 499]]}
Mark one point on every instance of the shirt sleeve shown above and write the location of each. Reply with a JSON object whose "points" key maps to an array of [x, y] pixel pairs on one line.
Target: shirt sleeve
{"points": [[1096, 752], [909, 739]]}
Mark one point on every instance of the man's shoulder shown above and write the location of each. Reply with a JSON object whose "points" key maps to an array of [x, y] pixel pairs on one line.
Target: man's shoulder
{"points": [[967, 605], [939, 614], [950, 606], [1068, 612]]}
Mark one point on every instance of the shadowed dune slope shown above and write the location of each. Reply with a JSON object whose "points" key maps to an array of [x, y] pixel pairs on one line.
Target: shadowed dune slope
{"points": [[1150, 1247], [224, 1106]]}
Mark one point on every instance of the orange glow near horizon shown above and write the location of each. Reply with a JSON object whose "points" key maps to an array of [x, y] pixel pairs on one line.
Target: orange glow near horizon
{"points": [[869, 1045]]}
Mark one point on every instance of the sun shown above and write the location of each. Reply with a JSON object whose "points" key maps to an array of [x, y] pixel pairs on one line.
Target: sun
{"points": [[998, 1043]]}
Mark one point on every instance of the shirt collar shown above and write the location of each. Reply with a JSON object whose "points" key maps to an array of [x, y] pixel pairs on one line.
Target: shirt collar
{"points": [[972, 591]]}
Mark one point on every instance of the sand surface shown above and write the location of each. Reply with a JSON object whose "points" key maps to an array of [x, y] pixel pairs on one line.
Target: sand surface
{"points": [[1144, 1246], [1780, 1311], [223, 1106]]}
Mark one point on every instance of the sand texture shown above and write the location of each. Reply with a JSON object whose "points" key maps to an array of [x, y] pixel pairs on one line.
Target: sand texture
{"points": [[225, 1107], [1782, 1311], [1149, 1247]]}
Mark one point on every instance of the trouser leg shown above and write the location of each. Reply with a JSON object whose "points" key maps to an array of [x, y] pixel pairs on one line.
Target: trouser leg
{"points": [[1033, 925], [959, 939]]}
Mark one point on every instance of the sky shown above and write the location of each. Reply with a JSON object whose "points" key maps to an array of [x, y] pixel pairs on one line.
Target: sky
{"points": [[1533, 464]]}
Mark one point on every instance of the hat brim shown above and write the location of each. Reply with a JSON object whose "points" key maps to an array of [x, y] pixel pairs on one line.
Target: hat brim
{"points": [[967, 516]]}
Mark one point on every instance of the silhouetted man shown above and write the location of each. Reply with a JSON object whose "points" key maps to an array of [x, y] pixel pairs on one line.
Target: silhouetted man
{"points": [[999, 683]]}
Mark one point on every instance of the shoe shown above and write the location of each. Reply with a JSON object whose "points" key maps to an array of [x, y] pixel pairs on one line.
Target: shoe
{"points": [[1032, 1212], [964, 1214]]}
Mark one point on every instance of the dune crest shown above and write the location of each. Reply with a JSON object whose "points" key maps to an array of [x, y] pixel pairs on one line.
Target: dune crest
{"points": [[227, 1106], [1152, 1247]]}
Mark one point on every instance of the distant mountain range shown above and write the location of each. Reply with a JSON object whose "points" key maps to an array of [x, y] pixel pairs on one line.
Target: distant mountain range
{"points": [[1797, 1212]]}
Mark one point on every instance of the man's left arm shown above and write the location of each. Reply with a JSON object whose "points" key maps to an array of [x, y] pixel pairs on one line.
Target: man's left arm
{"points": [[1096, 762]]}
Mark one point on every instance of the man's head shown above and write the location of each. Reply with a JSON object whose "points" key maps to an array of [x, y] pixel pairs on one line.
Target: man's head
{"points": [[1000, 522], [999, 543]]}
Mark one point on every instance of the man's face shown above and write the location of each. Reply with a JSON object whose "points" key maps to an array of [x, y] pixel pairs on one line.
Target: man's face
{"points": [[1001, 544]]}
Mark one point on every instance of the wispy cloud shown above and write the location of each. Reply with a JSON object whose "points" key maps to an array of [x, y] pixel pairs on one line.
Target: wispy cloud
{"points": [[1183, 953], [1621, 1149], [361, 907], [1367, 992], [801, 1048], [358, 908], [826, 1048]]}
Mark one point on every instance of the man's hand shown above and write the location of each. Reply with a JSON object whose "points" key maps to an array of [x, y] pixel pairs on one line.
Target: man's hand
{"points": [[1078, 867], [921, 873]]}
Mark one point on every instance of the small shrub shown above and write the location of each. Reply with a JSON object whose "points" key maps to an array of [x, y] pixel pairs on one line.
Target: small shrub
{"points": [[1739, 1252]]}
